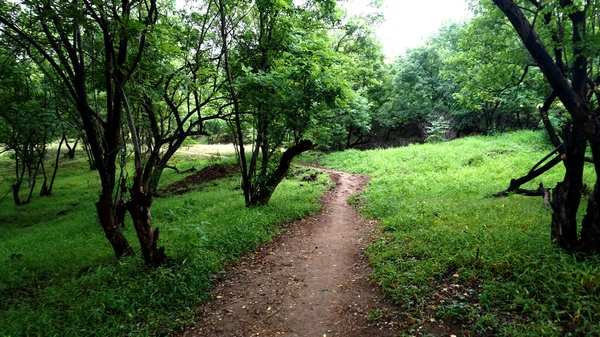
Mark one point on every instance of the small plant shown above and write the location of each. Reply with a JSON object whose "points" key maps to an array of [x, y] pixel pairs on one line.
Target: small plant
{"points": [[439, 129], [374, 315]]}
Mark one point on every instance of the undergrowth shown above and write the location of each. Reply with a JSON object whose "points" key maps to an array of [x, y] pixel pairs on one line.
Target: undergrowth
{"points": [[59, 277], [452, 254]]}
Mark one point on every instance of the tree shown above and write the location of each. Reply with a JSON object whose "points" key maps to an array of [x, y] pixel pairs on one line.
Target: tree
{"points": [[280, 81], [28, 120], [362, 67], [496, 80], [420, 92], [178, 88], [72, 37], [576, 87]]}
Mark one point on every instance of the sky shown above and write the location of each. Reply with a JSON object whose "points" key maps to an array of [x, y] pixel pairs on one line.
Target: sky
{"points": [[409, 22]]}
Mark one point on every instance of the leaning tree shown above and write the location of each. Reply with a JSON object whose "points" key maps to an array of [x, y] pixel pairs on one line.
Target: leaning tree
{"points": [[281, 80], [570, 28]]}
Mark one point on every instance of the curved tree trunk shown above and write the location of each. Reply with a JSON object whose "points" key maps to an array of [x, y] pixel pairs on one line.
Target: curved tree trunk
{"points": [[265, 192]]}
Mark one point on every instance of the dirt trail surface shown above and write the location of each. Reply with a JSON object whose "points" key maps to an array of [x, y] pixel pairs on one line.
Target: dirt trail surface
{"points": [[312, 281]]}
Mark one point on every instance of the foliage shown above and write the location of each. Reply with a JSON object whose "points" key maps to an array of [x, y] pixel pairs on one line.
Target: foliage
{"points": [[58, 278], [494, 75], [476, 71], [441, 230], [281, 82], [28, 120], [361, 63], [420, 91]]}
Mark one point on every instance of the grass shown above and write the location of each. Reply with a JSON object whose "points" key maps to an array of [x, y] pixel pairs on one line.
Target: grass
{"points": [[451, 253], [59, 277]]}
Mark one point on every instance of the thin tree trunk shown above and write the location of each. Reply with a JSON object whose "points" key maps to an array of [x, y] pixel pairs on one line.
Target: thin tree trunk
{"points": [[90, 156], [34, 173], [121, 204], [46, 191], [236, 107], [546, 120]]}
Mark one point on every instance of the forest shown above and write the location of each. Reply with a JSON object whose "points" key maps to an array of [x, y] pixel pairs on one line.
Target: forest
{"points": [[147, 149]]}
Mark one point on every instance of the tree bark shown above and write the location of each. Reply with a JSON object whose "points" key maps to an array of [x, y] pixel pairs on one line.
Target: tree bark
{"points": [[546, 120], [239, 136], [266, 191], [15, 192], [47, 190], [113, 233], [139, 209]]}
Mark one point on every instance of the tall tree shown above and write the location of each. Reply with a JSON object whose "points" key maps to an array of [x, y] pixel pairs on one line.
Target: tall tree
{"points": [[362, 67], [280, 80], [495, 77], [177, 89], [27, 119], [420, 91]]}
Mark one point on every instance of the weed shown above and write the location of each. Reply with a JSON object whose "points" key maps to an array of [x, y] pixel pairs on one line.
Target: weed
{"points": [[374, 315]]}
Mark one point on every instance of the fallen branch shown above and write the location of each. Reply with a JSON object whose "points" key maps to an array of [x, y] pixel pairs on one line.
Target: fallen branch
{"points": [[540, 192]]}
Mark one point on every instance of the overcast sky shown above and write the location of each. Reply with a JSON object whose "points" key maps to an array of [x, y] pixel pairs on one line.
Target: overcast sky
{"points": [[409, 22]]}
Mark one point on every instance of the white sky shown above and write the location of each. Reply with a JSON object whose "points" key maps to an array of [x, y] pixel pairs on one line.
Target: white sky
{"points": [[409, 22]]}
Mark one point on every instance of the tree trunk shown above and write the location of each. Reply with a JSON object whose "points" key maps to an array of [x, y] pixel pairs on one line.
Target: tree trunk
{"points": [[566, 197], [113, 233], [139, 209], [121, 204], [15, 192], [47, 190], [265, 192], [590, 231], [70, 149], [89, 154]]}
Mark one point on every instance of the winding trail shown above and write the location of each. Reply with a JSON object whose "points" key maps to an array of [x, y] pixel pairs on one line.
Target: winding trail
{"points": [[312, 281]]}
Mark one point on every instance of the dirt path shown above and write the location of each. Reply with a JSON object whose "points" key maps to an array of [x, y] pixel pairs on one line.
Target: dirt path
{"points": [[312, 281]]}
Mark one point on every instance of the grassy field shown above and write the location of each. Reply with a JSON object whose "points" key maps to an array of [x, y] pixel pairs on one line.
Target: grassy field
{"points": [[452, 255], [59, 277], [449, 254]]}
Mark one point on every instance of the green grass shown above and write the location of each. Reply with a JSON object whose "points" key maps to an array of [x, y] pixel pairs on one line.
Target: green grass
{"points": [[66, 281], [452, 253]]}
